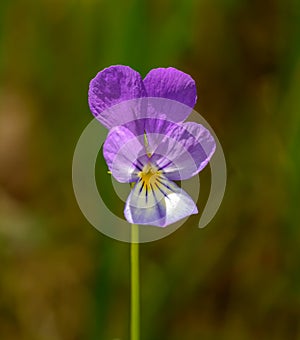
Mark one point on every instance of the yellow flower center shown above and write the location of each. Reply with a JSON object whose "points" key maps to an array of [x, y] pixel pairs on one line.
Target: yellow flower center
{"points": [[149, 175]]}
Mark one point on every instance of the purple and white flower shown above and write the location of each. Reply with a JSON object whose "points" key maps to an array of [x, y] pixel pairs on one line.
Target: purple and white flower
{"points": [[149, 145]]}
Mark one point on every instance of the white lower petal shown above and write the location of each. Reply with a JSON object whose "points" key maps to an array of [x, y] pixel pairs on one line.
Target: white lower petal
{"points": [[162, 204]]}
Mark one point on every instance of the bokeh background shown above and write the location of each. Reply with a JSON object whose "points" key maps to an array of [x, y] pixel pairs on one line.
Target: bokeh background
{"points": [[238, 278]]}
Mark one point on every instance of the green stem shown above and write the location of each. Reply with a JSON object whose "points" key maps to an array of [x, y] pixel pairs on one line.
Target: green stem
{"points": [[135, 285]]}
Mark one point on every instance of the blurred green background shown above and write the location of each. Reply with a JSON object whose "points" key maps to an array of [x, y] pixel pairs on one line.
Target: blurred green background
{"points": [[238, 278]]}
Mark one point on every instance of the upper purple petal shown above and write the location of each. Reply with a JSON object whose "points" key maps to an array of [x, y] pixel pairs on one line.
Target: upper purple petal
{"points": [[172, 84], [155, 129], [112, 86]]}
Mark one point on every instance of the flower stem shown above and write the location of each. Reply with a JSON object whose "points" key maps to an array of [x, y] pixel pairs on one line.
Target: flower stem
{"points": [[135, 285]]}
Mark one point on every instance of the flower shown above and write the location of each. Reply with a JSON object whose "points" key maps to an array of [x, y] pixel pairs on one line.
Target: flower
{"points": [[149, 145]]}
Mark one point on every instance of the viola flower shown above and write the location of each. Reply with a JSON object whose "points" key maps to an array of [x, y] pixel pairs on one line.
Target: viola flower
{"points": [[149, 145]]}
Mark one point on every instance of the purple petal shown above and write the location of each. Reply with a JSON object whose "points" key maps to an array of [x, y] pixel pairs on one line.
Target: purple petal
{"points": [[155, 129], [161, 205], [172, 84], [185, 151], [112, 86], [122, 150]]}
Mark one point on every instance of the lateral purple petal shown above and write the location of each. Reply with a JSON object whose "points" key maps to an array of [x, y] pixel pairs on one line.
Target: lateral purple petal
{"points": [[112, 86], [121, 151], [172, 84], [185, 151]]}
